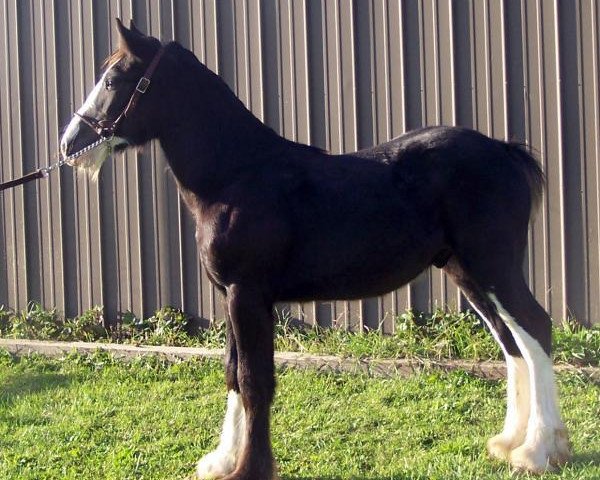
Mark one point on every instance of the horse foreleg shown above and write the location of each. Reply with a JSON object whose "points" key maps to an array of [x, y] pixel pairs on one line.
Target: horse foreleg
{"points": [[223, 460], [252, 322]]}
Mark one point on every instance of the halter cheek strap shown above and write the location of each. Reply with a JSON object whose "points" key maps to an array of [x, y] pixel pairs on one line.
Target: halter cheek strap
{"points": [[107, 128], [142, 84]]}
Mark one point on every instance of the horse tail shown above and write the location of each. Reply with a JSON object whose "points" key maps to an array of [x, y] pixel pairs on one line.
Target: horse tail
{"points": [[530, 167]]}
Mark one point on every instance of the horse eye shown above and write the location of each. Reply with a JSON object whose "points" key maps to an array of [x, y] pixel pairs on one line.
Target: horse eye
{"points": [[108, 84]]}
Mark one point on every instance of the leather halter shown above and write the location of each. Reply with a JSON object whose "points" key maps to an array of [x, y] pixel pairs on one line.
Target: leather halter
{"points": [[107, 128]]}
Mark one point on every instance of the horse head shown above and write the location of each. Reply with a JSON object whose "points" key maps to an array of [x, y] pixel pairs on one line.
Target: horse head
{"points": [[123, 108]]}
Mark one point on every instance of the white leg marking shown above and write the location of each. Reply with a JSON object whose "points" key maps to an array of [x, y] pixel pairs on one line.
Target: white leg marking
{"points": [[546, 444], [517, 402], [517, 409], [223, 460]]}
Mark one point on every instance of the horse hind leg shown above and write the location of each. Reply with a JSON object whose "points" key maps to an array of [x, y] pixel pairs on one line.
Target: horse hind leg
{"points": [[546, 444], [517, 409], [223, 460], [517, 386]]}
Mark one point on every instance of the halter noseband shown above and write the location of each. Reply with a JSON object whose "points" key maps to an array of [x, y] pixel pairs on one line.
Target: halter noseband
{"points": [[106, 128]]}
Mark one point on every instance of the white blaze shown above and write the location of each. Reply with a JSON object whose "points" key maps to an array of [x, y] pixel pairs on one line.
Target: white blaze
{"points": [[76, 123], [92, 160]]}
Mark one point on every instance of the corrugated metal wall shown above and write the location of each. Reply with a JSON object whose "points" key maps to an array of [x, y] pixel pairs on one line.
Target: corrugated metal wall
{"points": [[338, 74]]}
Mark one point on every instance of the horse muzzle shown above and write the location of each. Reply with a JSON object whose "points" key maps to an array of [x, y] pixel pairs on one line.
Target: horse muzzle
{"points": [[76, 138]]}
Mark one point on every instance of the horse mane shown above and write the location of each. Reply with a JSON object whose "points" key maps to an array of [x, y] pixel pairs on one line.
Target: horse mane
{"points": [[114, 57]]}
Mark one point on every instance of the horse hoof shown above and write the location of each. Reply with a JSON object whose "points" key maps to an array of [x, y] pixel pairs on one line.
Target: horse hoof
{"points": [[253, 475], [550, 452], [530, 459], [215, 465], [500, 446], [249, 477]]}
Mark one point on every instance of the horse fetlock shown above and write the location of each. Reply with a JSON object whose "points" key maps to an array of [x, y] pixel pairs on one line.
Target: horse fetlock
{"points": [[215, 465], [500, 446], [562, 451], [549, 449]]}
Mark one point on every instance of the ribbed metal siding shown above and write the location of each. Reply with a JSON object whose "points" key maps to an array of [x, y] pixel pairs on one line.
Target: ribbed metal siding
{"points": [[338, 74]]}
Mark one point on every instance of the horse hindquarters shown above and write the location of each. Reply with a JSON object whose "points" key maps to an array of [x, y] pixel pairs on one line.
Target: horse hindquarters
{"points": [[488, 235]]}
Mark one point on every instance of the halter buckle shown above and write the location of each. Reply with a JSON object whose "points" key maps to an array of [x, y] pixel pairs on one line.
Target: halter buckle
{"points": [[143, 85]]}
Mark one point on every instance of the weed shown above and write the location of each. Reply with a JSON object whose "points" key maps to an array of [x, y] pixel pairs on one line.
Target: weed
{"points": [[87, 327], [168, 326], [36, 323], [576, 344], [5, 319]]}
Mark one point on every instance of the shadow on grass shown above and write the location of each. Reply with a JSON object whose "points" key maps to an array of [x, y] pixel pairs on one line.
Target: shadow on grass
{"points": [[29, 383], [387, 477], [588, 459]]}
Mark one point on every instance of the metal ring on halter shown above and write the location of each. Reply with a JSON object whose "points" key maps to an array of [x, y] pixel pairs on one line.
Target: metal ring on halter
{"points": [[98, 126]]}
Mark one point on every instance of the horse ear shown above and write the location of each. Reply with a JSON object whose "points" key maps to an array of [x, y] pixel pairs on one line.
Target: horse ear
{"points": [[131, 41], [134, 29], [121, 28]]}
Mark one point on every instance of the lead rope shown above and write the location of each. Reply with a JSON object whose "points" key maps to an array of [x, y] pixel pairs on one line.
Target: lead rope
{"points": [[45, 171]]}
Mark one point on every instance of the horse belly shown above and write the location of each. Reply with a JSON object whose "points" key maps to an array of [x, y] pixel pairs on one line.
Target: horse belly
{"points": [[364, 264]]}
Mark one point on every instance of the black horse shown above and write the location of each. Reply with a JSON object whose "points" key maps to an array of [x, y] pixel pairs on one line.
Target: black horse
{"points": [[281, 221]]}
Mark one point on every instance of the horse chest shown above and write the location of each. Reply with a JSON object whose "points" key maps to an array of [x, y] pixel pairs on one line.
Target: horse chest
{"points": [[213, 251], [227, 254]]}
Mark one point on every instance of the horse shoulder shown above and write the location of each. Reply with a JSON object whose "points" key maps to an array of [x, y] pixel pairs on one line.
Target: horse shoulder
{"points": [[224, 227]]}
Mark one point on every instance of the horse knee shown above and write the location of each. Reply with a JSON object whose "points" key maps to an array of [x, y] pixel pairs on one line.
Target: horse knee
{"points": [[253, 329], [257, 385]]}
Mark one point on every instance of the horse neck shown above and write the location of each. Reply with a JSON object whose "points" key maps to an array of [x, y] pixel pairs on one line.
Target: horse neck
{"points": [[209, 144]]}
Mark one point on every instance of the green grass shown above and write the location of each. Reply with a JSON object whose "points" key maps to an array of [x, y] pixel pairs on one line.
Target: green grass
{"points": [[93, 417], [441, 335]]}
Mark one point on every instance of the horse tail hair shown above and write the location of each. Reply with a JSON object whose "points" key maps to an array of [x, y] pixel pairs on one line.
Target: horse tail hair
{"points": [[528, 164]]}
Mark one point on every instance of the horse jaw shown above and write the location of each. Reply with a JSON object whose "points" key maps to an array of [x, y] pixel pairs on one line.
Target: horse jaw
{"points": [[91, 161]]}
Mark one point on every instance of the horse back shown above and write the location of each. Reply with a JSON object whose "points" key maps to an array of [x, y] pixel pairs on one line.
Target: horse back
{"points": [[380, 216]]}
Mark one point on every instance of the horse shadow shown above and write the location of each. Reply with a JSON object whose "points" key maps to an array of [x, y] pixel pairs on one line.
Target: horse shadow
{"points": [[18, 385], [580, 460], [588, 459], [387, 477], [355, 477], [336, 477]]}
